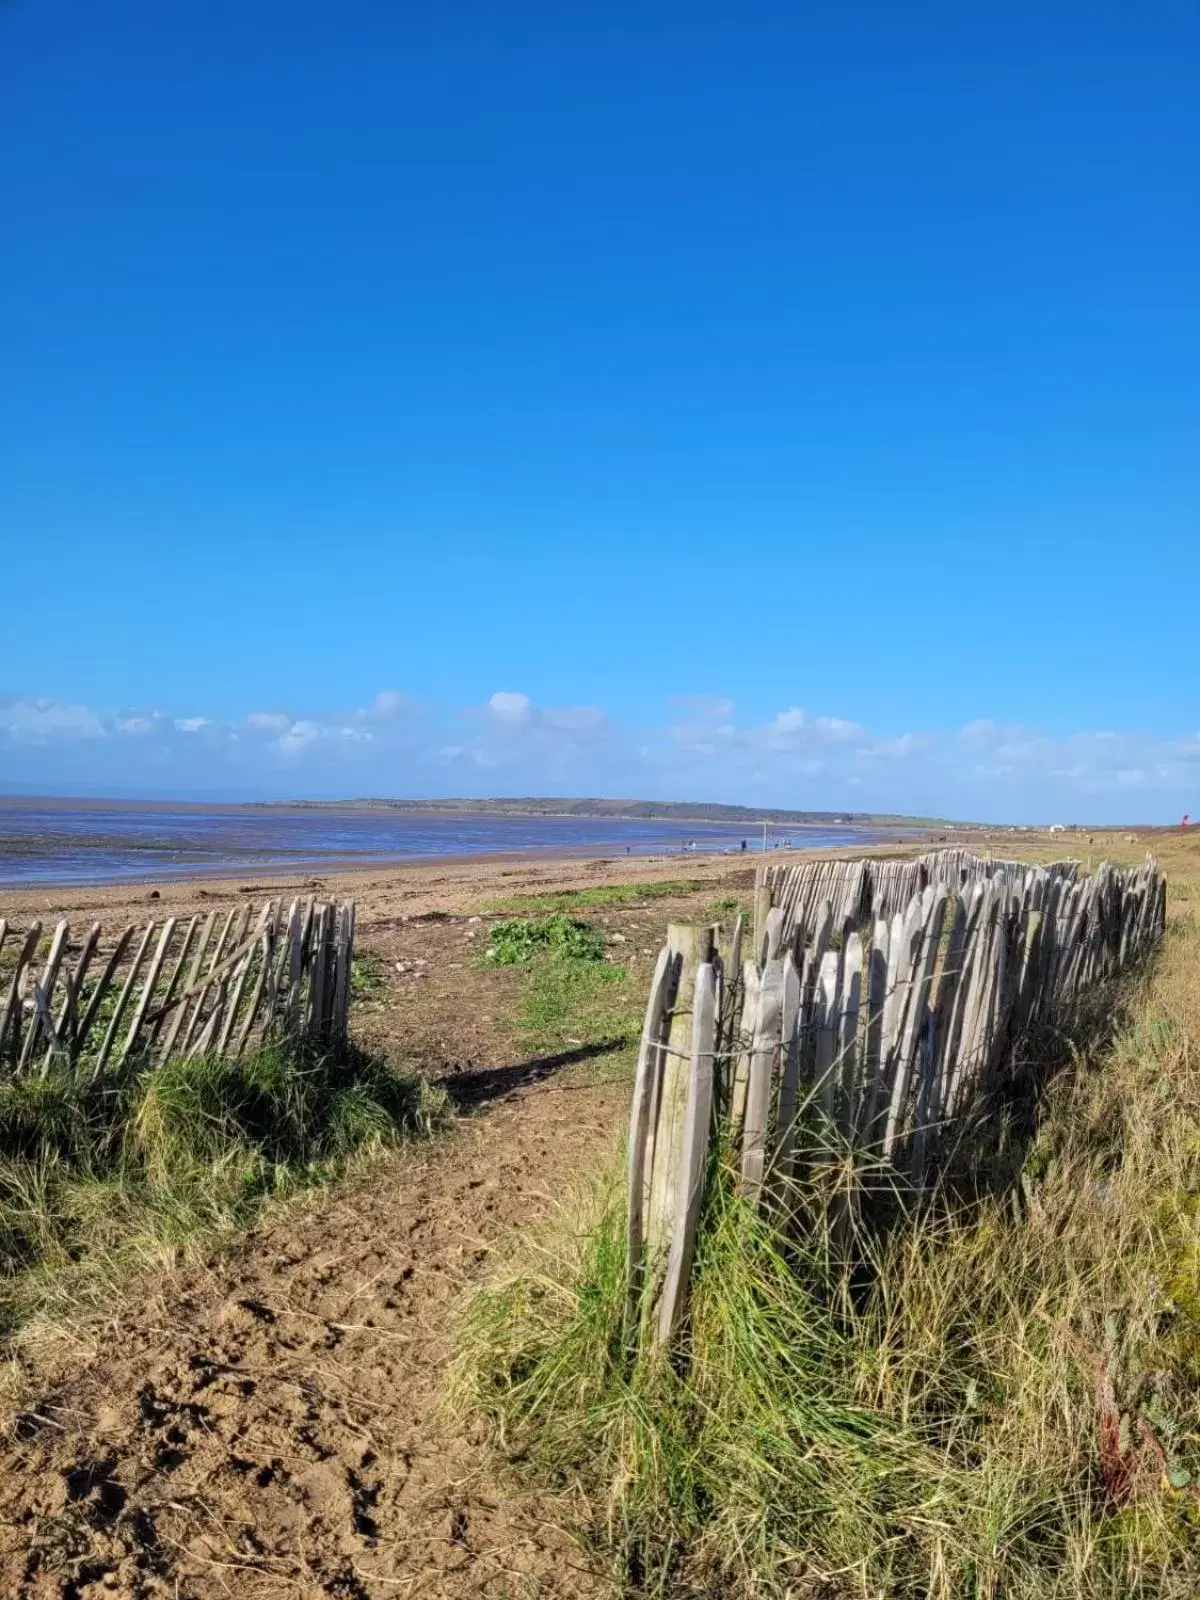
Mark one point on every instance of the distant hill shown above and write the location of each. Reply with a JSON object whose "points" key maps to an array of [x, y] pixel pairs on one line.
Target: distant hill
{"points": [[642, 810]]}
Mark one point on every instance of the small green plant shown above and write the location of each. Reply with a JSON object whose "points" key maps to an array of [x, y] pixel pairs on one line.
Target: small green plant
{"points": [[366, 974], [515, 941]]}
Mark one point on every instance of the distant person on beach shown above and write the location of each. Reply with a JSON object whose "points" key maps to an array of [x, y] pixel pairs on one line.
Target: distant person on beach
{"points": [[743, 844]]}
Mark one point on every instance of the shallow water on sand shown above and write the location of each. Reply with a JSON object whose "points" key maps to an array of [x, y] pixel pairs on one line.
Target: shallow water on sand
{"points": [[86, 842]]}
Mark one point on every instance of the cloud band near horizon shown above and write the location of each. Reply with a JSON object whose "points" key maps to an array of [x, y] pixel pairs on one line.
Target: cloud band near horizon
{"points": [[699, 749]]}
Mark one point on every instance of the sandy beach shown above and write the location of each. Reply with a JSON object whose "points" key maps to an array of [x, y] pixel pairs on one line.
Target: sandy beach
{"points": [[472, 883], [411, 889]]}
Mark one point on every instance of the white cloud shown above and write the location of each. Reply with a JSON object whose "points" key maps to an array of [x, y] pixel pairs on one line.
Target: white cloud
{"points": [[269, 721], [574, 719], [136, 724], [299, 736], [838, 729], [40, 719], [510, 707], [905, 744], [389, 703], [711, 707], [191, 724], [794, 729]]}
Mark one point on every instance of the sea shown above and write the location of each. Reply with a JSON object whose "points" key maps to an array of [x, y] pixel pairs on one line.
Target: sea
{"points": [[84, 842]]}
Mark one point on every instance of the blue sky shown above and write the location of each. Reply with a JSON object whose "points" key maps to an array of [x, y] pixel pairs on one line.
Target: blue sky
{"points": [[779, 403]]}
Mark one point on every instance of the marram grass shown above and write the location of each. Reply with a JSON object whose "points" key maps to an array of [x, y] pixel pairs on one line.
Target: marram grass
{"points": [[97, 1179], [1004, 1403]]}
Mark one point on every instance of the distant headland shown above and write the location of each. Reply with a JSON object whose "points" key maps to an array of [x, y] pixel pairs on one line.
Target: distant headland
{"points": [[631, 810]]}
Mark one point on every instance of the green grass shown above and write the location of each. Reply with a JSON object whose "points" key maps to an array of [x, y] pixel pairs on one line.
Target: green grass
{"points": [[747, 1459], [568, 993], [367, 975], [566, 1004], [1002, 1404], [727, 910], [615, 894], [98, 1179]]}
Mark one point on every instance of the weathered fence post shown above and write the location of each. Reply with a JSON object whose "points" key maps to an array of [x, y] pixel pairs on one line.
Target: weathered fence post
{"points": [[763, 1054], [693, 1156], [665, 1153], [645, 1085]]}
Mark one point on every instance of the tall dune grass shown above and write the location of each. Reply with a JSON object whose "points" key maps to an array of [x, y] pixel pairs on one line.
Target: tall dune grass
{"points": [[1004, 1403], [98, 1178]]}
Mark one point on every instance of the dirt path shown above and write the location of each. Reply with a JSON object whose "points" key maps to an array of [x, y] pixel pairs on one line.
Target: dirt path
{"points": [[273, 1425]]}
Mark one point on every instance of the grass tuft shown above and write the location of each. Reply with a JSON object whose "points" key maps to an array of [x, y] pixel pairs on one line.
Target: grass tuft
{"points": [[98, 1178]]}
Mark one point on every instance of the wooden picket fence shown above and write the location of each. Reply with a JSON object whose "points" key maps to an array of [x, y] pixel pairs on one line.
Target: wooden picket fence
{"points": [[864, 1036], [870, 888], [174, 987]]}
